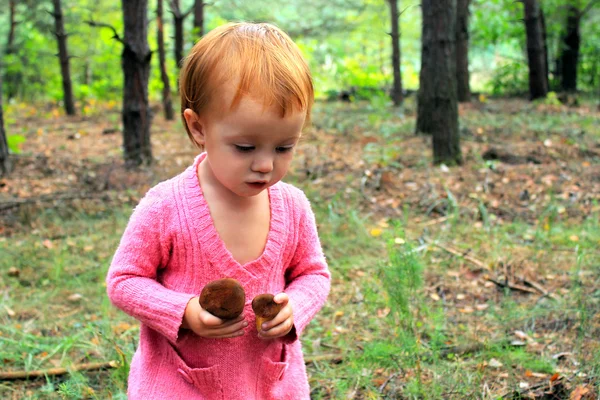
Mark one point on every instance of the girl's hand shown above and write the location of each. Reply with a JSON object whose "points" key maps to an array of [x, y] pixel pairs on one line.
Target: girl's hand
{"points": [[283, 323], [204, 324]]}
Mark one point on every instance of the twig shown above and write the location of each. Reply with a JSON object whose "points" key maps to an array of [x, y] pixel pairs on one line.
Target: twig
{"points": [[540, 289], [450, 250], [14, 375], [434, 221], [512, 286], [6, 205], [392, 376], [324, 357], [549, 383], [463, 349], [105, 25]]}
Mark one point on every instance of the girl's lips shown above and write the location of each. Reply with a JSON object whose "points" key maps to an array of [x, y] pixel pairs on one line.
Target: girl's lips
{"points": [[257, 184]]}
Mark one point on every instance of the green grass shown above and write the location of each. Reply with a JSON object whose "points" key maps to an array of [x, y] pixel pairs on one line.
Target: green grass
{"points": [[399, 311]]}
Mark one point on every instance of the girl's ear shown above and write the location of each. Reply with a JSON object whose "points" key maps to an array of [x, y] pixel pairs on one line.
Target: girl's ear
{"points": [[196, 127]]}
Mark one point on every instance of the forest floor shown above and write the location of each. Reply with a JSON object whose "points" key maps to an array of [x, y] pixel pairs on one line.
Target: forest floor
{"points": [[479, 281]]}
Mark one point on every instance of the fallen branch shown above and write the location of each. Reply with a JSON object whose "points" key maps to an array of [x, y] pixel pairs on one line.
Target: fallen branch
{"points": [[462, 349], [549, 384], [13, 203], [14, 375], [434, 221], [455, 252], [512, 286], [336, 358], [540, 289]]}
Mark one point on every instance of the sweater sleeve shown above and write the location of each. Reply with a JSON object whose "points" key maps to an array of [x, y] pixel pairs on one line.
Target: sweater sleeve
{"points": [[132, 282], [307, 278]]}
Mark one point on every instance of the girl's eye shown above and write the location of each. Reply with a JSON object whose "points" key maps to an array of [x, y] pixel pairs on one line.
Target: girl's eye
{"points": [[244, 149], [284, 149]]}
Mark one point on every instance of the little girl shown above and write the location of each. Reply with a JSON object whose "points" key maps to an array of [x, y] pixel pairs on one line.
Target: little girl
{"points": [[246, 94]]}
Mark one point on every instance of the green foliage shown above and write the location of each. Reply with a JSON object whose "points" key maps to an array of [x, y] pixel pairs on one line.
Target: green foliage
{"points": [[346, 43], [14, 143], [510, 78]]}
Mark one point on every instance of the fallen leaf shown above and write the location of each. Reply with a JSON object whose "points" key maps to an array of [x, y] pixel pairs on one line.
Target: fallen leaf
{"points": [[383, 312], [495, 363], [435, 296], [375, 232], [523, 336], [74, 297], [554, 377], [10, 311], [579, 392]]}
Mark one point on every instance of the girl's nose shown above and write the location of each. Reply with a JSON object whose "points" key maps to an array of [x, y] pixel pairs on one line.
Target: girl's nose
{"points": [[263, 165]]}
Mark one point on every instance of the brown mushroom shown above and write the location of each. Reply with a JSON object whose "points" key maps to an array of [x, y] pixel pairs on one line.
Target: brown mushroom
{"points": [[265, 309], [223, 298]]}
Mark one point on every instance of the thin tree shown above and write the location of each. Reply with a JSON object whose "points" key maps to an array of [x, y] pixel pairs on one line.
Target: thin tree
{"points": [[545, 41], [178, 20], [166, 91], [12, 79], [396, 54], [199, 17], [462, 50], [437, 102], [570, 44], [63, 56], [536, 55], [135, 60], [5, 166]]}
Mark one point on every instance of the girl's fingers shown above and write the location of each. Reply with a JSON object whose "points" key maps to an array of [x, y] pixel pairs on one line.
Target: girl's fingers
{"points": [[283, 315], [212, 322], [229, 330], [277, 331]]}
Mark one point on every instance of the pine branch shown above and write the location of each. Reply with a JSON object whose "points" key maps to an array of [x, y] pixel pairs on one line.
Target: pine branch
{"points": [[41, 373], [104, 25]]}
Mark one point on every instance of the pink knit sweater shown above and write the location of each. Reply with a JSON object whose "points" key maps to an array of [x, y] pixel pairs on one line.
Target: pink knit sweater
{"points": [[169, 251]]}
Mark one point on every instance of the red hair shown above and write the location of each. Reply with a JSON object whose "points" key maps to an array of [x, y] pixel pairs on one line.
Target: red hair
{"points": [[261, 59]]}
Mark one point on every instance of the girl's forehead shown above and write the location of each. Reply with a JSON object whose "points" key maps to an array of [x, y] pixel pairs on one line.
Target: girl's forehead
{"points": [[253, 106]]}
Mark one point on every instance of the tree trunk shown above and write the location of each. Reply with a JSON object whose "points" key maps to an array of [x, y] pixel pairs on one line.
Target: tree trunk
{"points": [[11, 79], [166, 91], [63, 55], [135, 61], [462, 50], [538, 86], [4, 160], [199, 17], [545, 41], [396, 54], [569, 57], [178, 19], [437, 102]]}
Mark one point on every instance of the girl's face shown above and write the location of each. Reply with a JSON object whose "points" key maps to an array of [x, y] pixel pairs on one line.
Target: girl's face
{"points": [[249, 148]]}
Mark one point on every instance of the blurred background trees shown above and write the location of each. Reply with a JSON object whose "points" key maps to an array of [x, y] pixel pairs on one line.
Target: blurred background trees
{"points": [[526, 48]]}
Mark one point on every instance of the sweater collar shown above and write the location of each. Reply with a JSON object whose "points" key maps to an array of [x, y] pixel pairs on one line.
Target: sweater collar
{"points": [[213, 246]]}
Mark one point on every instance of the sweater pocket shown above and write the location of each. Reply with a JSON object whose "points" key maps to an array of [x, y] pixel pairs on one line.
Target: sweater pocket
{"points": [[207, 380], [270, 375]]}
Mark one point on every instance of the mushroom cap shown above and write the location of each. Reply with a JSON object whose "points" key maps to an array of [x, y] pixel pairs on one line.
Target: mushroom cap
{"points": [[223, 298], [265, 307]]}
